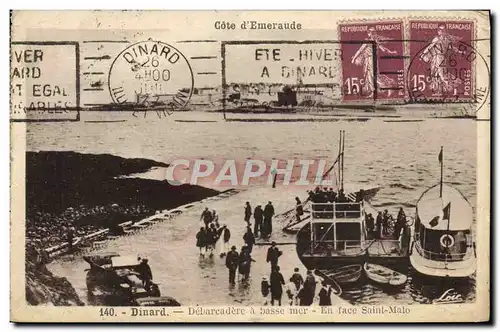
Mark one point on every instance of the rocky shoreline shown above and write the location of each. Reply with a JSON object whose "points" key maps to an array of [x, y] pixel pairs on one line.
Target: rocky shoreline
{"points": [[70, 195]]}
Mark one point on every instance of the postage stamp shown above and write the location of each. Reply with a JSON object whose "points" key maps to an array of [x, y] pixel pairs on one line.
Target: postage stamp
{"points": [[443, 57], [313, 167], [373, 61]]}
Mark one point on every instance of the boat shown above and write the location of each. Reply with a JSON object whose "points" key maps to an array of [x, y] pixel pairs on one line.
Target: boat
{"points": [[117, 276], [384, 275], [443, 242], [336, 234], [337, 290], [344, 275]]}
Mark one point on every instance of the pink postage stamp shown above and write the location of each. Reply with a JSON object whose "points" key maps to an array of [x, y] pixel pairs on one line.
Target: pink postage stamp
{"points": [[372, 61], [441, 61]]}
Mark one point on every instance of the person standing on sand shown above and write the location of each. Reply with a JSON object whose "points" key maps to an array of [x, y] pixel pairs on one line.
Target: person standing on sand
{"points": [[223, 243], [325, 294], [308, 290], [248, 212], [258, 216], [264, 288], [249, 239], [273, 254], [201, 241], [211, 239], [276, 280], [245, 262], [297, 278], [299, 209], [292, 291], [268, 218], [215, 217], [206, 216], [232, 260]]}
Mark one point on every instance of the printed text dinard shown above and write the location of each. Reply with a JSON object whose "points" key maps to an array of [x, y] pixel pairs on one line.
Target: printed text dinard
{"points": [[262, 311], [257, 25], [269, 55]]}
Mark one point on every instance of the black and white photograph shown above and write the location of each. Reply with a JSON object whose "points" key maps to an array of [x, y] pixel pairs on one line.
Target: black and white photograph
{"points": [[250, 166]]}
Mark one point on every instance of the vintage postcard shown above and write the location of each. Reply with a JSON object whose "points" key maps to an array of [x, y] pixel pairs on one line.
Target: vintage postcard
{"points": [[250, 166]]}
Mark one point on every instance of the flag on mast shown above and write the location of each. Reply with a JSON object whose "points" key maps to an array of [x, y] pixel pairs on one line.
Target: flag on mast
{"points": [[443, 215], [446, 212]]}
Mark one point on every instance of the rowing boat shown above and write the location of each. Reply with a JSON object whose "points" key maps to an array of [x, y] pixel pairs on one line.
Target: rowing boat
{"points": [[384, 275], [337, 290], [346, 274]]}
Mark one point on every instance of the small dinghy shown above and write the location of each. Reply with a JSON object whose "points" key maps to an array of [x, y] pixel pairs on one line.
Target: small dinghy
{"points": [[384, 275], [346, 274], [336, 289]]}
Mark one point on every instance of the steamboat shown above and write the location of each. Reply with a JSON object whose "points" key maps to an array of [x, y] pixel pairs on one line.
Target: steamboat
{"points": [[443, 242], [341, 232]]}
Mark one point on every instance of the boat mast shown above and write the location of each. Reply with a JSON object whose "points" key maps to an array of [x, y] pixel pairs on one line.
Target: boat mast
{"points": [[441, 181], [339, 156], [342, 160]]}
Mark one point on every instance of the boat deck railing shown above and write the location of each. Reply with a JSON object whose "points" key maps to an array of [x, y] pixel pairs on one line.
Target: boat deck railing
{"points": [[444, 257], [335, 210], [336, 247]]}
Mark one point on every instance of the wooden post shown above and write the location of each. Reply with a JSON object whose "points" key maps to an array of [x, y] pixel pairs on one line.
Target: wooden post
{"points": [[274, 180]]}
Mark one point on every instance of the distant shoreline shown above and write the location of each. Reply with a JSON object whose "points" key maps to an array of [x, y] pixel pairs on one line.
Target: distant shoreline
{"points": [[56, 181]]}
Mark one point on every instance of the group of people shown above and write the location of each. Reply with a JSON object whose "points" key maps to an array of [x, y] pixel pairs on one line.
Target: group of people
{"points": [[320, 198], [212, 236], [299, 291], [381, 227], [263, 219], [239, 261]]}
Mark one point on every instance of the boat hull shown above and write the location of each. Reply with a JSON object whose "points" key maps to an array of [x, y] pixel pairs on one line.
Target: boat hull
{"points": [[455, 269], [323, 262], [330, 263], [346, 274]]}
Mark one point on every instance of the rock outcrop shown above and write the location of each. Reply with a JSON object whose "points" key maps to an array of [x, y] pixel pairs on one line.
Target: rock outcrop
{"points": [[44, 288]]}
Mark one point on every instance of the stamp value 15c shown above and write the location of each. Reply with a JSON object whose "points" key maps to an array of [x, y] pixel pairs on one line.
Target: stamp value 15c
{"points": [[372, 61], [442, 61]]}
